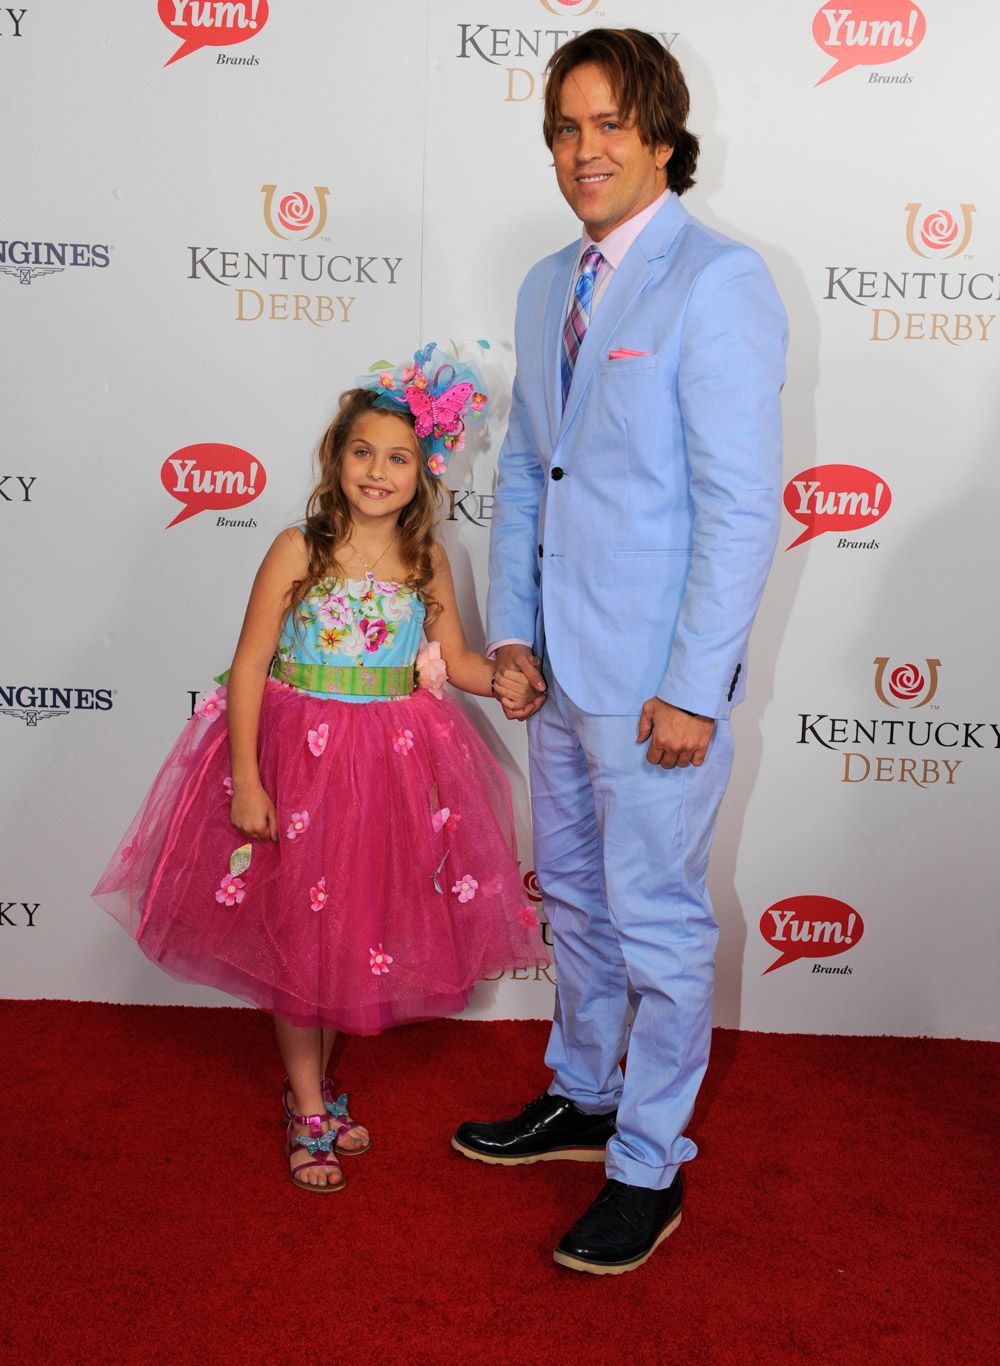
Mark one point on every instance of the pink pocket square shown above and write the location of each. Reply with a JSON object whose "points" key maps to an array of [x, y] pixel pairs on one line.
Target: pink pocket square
{"points": [[623, 353]]}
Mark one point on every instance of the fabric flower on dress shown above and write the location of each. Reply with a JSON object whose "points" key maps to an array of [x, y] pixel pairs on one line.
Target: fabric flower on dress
{"points": [[526, 917], [445, 819], [379, 961], [316, 739], [299, 821], [210, 706], [432, 672], [493, 887], [227, 784], [466, 887], [317, 895], [230, 891], [403, 742]]}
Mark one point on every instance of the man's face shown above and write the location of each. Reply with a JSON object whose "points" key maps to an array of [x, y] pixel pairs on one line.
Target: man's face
{"points": [[605, 172]]}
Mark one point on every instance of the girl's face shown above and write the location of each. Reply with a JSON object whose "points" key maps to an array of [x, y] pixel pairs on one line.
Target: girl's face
{"points": [[381, 465]]}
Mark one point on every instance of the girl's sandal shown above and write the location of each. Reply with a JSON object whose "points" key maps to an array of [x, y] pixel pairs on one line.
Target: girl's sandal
{"points": [[319, 1146], [337, 1110]]}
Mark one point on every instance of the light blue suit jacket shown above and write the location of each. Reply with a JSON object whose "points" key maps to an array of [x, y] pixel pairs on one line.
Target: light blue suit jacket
{"points": [[639, 570]]}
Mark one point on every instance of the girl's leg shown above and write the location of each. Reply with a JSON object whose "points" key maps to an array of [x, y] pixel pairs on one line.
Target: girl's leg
{"points": [[357, 1136], [301, 1052]]}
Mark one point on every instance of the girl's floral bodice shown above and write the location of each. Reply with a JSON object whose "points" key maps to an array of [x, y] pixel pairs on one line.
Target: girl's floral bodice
{"points": [[354, 622]]}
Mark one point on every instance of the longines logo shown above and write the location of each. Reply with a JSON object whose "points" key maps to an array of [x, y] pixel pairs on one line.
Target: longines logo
{"points": [[27, 261], [296, 212], [934, 236], [32, 705], [909, 685], [18, 915], [498, 46], [15, 494], [905, 686], [938, 231], [295, 217]]}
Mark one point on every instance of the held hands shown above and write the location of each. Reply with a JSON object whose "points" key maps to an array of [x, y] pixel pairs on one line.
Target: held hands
{"points": [[676, 738], [517, 684], [253, 814]]}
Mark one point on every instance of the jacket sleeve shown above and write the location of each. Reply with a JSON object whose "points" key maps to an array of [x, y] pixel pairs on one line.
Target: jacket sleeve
{"points": [[732, 367], [512, 604]]}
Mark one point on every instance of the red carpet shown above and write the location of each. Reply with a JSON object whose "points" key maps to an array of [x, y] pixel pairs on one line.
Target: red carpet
{"points": [[842, 1210]]}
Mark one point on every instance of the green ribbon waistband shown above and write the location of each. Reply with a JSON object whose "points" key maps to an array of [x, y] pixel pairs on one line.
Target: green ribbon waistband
{"points": [[350, 680]]}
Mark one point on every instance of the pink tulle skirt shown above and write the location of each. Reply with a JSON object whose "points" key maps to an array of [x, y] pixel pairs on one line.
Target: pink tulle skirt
{"points": [[393, 886]]}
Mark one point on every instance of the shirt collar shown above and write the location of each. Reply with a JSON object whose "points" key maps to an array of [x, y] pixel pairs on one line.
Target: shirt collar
{"points": [[614, 247]]}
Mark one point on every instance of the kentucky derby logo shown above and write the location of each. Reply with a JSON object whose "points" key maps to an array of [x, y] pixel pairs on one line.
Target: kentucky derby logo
{"points": [[938, 233], [573, 7], [907, 683], [296, 213]]}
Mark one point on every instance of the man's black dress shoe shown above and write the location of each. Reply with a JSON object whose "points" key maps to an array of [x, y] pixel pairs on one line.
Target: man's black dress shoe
{"points": [[621, 1228], [547, 1129]]}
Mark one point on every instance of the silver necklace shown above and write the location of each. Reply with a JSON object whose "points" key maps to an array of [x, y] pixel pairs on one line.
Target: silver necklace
{"points": [[370, 568]]}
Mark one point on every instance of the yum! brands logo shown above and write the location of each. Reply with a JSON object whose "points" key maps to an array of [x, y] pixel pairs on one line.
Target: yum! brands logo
{"points": [[938, 233], [909, 685], [212, 476], [869, 34], [811, 927], [836, 498], [212, 23], [300, 217]]}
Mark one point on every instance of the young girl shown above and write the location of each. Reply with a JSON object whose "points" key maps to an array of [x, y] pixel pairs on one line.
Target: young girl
{"points": [[346, 861]]}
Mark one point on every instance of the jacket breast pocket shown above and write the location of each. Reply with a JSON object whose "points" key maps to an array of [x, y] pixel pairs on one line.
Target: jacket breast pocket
{"points": [[626, 366]]}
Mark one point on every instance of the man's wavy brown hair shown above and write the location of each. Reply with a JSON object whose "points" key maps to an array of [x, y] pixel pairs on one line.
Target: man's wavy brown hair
{"points": [[328, 515], [648, 85]]}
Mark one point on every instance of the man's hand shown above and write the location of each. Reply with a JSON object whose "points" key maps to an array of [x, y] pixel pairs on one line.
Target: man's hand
{"points": [[676, 738], [520, 657]]}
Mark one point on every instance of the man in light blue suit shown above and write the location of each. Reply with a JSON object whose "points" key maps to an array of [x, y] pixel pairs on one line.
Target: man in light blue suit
{"points": [[635, 520]]}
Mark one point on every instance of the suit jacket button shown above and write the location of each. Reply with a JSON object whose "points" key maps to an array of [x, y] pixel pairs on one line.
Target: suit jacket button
{"points": [[556, 472]]}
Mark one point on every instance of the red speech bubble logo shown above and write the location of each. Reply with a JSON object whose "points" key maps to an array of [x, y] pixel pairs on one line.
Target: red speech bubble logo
{"points": [[810, 927], [211, 475], [835, 498], [211, 23], [869, 34]]}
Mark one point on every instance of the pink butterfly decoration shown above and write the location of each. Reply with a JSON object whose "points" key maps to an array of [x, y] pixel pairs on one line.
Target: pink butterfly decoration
{"points": [[443, 412]]}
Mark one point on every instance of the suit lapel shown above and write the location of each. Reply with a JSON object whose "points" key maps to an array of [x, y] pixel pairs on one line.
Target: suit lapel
{"points": [[556, 308], [631, 278]]}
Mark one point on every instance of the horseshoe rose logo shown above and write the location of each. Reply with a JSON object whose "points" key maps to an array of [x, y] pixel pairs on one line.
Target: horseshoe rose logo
{"points": [[938, 231], [530, 881], [907, 682], [296, 213]]}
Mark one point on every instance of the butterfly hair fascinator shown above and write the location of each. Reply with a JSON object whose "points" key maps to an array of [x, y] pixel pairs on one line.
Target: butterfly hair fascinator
{"points": [[440, 391]]}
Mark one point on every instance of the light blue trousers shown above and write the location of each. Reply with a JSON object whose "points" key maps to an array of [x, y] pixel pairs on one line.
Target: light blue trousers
{"points": [[621, 851]]}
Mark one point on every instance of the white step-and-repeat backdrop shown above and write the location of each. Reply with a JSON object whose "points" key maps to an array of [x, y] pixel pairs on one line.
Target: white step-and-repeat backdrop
{"points": [[216, 215]]}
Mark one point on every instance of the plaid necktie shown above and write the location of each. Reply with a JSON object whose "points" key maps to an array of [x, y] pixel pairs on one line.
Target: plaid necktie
{"points": [[578, 317]]}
